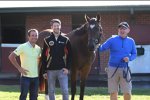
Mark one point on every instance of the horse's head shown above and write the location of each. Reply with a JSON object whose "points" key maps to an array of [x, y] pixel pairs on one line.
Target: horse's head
{"points": [[94, 31]]}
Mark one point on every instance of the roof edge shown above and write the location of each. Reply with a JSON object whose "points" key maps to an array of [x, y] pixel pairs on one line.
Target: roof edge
{"points": [[75, 9]]}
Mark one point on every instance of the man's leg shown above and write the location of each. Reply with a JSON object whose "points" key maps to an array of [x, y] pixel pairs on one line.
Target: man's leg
{"points": [[127, 96], [114, 96], [51, 84], [63, 81], [24, 87], [113, 82], [126, 87], [34, 88]]}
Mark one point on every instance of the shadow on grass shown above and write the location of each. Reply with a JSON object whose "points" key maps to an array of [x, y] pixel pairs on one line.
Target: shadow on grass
{"points": [[104, 91], [9, 88], [88, 90]]}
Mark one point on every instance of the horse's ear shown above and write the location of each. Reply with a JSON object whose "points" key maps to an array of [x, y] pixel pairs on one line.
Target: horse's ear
{"points": [[87, 18], [98, 18]]}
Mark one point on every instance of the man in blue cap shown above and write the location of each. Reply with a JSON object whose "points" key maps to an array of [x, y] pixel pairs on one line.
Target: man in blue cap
{"points": [[122, 50]]}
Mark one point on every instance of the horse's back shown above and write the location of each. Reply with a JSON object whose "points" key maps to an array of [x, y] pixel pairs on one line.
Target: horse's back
{"points": [[42, 35]]}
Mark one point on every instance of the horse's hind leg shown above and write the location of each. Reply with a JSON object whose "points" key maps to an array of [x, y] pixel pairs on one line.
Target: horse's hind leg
{"points": [[46, 90], [73, 84]]}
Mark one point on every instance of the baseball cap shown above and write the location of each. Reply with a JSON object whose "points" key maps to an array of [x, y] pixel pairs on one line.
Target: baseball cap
{"points": [[124, 24], [55, 20]]}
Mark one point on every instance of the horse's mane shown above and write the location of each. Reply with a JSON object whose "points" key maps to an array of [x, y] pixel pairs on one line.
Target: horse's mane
{"points": [[49, 31], [78, 31]]}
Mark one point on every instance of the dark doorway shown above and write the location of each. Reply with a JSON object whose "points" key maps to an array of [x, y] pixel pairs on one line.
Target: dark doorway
{"points": [[77, 20], [0, 46], [13, 28], [12, 31]]}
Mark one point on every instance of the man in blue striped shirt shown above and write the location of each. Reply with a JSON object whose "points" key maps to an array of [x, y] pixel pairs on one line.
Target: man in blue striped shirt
{"points": [[122, 50]]}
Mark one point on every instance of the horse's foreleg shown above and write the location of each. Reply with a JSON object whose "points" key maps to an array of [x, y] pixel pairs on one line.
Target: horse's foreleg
{"points": [[82, 87], [73, 84], [83, 76]]}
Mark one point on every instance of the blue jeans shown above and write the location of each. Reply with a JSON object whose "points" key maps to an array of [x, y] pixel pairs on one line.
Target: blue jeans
{"points": [[63, 81], [31, 85]]}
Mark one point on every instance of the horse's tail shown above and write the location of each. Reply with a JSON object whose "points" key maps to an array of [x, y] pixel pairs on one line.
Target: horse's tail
{"points": [[40, 42], [41, 80]]}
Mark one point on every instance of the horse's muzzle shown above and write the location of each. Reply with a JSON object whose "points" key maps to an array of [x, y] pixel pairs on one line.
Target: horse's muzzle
{"points": [[91, 47]]}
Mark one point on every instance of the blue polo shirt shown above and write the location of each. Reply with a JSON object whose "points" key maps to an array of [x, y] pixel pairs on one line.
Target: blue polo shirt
{"points": [[119, 48]]}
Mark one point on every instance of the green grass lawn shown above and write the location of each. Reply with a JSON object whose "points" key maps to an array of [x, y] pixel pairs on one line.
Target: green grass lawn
{"points": [[11, 92]]}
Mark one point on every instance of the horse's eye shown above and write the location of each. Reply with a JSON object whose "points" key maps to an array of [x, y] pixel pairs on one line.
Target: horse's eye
{"points": [[96, 41]]}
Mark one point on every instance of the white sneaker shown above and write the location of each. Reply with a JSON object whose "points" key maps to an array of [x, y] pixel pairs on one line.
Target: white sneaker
{"points": [[46, 97]]}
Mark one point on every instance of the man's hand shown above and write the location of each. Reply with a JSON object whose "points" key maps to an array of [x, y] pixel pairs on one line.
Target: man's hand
{"points": [[126, 59], [45, 76], [23, 71], [65, 71]]}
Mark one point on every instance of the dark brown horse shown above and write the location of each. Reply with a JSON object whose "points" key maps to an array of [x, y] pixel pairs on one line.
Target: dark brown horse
{"points": [[84, 41]]}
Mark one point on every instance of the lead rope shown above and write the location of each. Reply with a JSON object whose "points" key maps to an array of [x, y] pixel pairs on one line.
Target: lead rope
{"points": [[114, 73], [125, 74], [99, 67]]}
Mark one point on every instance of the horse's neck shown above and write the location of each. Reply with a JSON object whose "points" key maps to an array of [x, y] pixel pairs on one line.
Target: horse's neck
{"points": [[79, 40]]}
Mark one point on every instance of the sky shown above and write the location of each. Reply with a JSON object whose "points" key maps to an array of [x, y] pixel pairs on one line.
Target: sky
{"points": [[10, 4]]}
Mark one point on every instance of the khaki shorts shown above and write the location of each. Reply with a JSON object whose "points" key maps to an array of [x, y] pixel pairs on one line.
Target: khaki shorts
{"points": [[118, 81]]}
